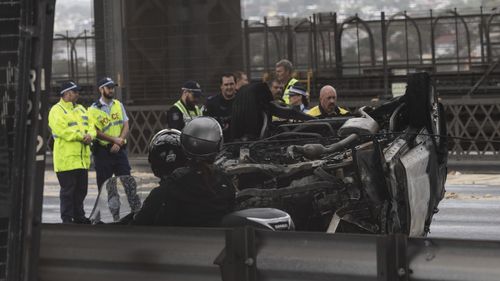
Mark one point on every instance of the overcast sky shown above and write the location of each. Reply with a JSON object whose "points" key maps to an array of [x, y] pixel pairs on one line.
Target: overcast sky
{"points": [[76, 15]]}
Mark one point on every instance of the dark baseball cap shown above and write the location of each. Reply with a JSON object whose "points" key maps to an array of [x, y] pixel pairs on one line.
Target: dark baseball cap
{"points": [[106, 81], [69, 85], [192, 86]]}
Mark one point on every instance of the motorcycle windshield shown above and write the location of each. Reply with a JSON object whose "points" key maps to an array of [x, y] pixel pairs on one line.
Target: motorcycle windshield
{"points": [[119, 197]]}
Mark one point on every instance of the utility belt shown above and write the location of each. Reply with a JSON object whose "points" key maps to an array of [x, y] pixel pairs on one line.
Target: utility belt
{"points": [[96, 146]]}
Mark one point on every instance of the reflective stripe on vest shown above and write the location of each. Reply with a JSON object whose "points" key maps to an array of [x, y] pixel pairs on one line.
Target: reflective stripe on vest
{"points": [[110, 124], [188, 115], [68, 126]]}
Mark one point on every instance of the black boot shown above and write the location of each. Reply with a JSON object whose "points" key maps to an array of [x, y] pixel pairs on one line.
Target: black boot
{"points": [[82, 220]]}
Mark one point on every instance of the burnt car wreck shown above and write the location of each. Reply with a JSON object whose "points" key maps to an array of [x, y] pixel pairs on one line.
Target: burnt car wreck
{"points": [[380, 171]]}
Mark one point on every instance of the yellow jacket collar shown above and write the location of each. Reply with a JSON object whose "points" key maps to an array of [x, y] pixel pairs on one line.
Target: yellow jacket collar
{"points": [[67, 104]]}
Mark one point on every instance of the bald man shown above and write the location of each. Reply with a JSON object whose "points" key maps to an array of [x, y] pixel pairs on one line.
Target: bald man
{"points": [[327, 104]]}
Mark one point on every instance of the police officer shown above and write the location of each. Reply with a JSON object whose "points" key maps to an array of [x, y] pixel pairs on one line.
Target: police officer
{"points": [[220, 106], [197, 195], [111, 123], [327, 104], [284, 70], [72, 133], [298, 98], [186, 108]]}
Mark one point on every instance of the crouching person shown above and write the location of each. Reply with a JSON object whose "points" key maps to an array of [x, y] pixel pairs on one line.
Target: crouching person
{"points": [[198, 195]]}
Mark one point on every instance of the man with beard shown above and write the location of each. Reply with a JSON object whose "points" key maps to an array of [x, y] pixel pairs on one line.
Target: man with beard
{"points": [[327, 104], [220, 106], [276, 88], [284, 71], [186, 108], [109, 150]]}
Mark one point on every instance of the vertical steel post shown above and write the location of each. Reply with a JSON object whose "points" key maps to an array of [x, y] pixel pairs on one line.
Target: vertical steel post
{"points": [[433, 45], [457, 46], [314, 44], [28, 162], [86, 58], [481, 33], [266, 46], [384, 56], [406, 44], [337, 46], [330, 64], [289, 39], [246, 43]]}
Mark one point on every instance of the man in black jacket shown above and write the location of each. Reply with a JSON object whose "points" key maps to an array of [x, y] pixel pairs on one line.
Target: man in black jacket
{"points": [[220, 106]]}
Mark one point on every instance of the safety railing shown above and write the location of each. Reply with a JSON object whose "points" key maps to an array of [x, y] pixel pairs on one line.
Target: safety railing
{"points": [[112, 252], [145, 121]]}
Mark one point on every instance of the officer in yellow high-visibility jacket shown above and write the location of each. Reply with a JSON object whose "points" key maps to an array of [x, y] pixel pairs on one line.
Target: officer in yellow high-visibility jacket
{"points": [[186, 108], [72, 133], [110, 154], [327, 104], [284, 70]]}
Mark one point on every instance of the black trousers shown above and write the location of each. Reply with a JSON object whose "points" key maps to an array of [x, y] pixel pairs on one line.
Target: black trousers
{"points": [[74, 186], [108, 164]]}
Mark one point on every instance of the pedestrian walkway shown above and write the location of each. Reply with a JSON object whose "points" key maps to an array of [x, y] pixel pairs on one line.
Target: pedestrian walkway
{"points": [[457, 178], [51, 211]]}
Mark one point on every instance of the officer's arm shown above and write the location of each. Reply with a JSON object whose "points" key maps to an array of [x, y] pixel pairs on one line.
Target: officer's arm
{"points": [[63, 129], [91, 130], [208, 108], [175, 119], [287, 112], [125, 130], [105, 137]]}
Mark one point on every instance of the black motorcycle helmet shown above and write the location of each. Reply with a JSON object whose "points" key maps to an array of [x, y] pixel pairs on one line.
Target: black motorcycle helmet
{"points": [[165, 152], [201, 139]]}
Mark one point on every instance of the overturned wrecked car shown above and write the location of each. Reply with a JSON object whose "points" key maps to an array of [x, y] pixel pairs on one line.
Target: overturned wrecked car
{"points": [[380, 171]]}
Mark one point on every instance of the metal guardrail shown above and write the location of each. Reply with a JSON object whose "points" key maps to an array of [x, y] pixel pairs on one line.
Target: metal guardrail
{"points": [[473, 119], [78, 252]]}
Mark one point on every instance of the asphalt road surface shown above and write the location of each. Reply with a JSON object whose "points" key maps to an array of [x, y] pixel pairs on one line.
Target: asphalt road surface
{"points": [[470, 210]]}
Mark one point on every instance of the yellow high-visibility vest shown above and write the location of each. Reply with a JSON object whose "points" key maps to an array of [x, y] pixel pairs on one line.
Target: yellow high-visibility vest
{"points": [[68, 124], [315, 111], [286, 90], [188, 115], [110, 124]]}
